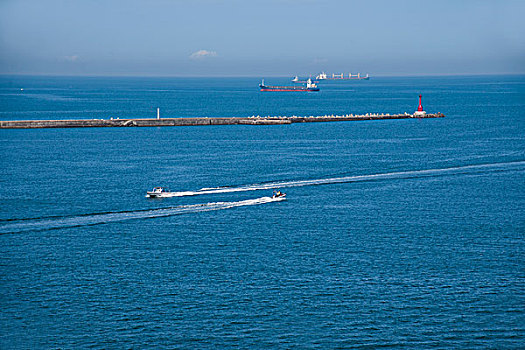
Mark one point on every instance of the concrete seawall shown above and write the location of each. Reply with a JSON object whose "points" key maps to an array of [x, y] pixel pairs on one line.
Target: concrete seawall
{"points": [[92, 123]]}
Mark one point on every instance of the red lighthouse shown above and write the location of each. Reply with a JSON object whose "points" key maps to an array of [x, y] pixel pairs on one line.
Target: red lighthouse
{"points": [[420, 110], [420, 107]]}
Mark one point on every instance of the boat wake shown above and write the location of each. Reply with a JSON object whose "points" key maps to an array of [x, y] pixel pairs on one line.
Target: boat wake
{"points": [[467, 169], [49, 223]]}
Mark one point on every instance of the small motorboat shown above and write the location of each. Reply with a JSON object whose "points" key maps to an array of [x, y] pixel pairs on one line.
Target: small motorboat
{"points": [[278, 194], [158, 192]]}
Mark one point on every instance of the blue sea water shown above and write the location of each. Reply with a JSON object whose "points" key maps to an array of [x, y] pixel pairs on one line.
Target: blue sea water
{"points": [[396, 234]]}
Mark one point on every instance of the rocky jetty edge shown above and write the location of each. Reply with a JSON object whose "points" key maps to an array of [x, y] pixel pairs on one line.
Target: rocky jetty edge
{"points": [[253, 120]]}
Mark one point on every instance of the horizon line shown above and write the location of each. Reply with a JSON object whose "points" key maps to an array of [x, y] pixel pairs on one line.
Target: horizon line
{"points": [[244, 76]]}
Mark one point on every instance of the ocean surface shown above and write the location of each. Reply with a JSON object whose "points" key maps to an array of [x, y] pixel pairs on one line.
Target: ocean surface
{"points": [[401, 234]]}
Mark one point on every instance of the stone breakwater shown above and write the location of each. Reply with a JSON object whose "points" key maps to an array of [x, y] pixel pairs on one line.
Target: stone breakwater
{"points": [[253, 120]]}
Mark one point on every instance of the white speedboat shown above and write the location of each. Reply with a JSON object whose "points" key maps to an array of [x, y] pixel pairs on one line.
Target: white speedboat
{"points": [[158, 192]]}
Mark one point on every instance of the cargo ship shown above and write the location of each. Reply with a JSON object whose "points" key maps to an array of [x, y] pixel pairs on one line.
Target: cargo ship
{"points": [[358, 76], [310, 86]]}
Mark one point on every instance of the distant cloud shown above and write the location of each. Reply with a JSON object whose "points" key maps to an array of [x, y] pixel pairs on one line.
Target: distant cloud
{"points": [[202, 54], [320, 60], [72, 58]]}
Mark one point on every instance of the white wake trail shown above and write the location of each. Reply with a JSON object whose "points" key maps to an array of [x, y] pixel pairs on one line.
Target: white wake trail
{"points": [[95, 219], [354, 178]]}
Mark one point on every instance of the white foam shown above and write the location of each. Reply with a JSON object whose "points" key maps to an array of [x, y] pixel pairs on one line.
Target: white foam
{"points": [[95, 219], [354, 178]]}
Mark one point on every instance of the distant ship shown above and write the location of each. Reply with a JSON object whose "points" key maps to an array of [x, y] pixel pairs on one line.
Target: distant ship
{"points": [[299, 81], [324, 76], [310, 86]]}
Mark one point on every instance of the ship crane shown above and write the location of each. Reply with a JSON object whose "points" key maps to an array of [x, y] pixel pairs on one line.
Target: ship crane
{"points": [[342, 76]]}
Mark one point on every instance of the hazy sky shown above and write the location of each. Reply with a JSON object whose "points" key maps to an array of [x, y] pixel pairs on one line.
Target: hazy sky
{"points": [[261, 37]]}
